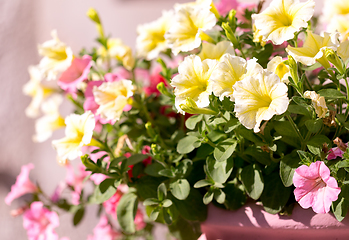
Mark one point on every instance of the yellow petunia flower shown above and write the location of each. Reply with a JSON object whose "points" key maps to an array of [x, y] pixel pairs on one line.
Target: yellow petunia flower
{"points": [[259, 98], [314, 49], [340, 23], [112, 98], [188, 28], [282, 19], [193, 81], [57, 57], [343, 51], [78, 133], [334, 8], [318, 102], [277, 66], [151, 36], [216, 51]]}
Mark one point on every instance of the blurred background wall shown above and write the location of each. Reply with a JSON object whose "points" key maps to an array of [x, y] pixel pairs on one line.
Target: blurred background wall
{"points": [[24, 24]]}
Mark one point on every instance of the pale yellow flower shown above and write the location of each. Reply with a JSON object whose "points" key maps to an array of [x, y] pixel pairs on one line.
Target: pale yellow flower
{"points": [[340, 23], [318, 102], [78, 133], [112, 98], [57, 57], [189, 25], [277, 66], [151, 36], [51, 121], [193, 81], [117, 49], [334, 8], [314, 48], [216, 51], [35, 89], [259, 98], [283, 18], [343, 51]]}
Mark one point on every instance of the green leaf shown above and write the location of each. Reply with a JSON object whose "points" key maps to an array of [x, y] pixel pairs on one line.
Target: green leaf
{"points": [[285, 129], [331, 93], [202, 183], [192, 208], [275, 195], [154, 214], [136, 158], [192, 121], [313, 125], [180, 188], [259, 155], [235, 196], [208, 197], [104, 191], [79, 214], [317, 142], [185, 230], [224, 149], [250, 135], [147, 186], [340, 207], [300, 101], [252, 179], [288, 166], [126, 212], [219, 195], [151, 202], [185, 145], [166, 203], [231, 125], [219, 172], [154, 169], [162, 191], [167, 173], [166, 216], [214, 136], [299, 109]]}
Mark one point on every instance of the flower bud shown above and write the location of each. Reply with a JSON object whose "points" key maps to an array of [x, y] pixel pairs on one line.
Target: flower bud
{"points": [[230, 34], [293, 69], [89, 164], [191, 107], [162, 88], [93, 15], [232, 19], [333, 58]]}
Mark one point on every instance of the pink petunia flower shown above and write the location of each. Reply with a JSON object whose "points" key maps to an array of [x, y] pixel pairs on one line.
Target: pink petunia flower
{"points": [[224, 6], [139, 220], [103, 231], [315, 187], [334, 153], [75, 74], [22, 186], [40, 222], [151, 81], [112, 203], [76, 181]]}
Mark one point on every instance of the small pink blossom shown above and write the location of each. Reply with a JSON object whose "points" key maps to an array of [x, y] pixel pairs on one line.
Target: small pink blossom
{"points": [[103, 231], [151, 81], [315, 187], [224, 6], [75, 74], [112, 203], [58, 192], [22, 186], [40, 222], [139, 220], [76, 181], [334, 153]]}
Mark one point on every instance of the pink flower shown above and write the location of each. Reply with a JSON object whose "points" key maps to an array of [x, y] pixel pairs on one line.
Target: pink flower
{"points": [[151, 81], [76, 181], [58, 192], [139, 220], [334, 153], [40, 222], [315, 187], [22, 186], [112, 203], [75, 74], [103, 231], [224, 6]]}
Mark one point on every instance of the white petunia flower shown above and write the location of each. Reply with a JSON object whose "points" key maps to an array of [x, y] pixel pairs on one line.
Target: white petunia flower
{"points": [[230, 70], [277, 66], [151, 36], [343, 51], [189, 25], [35, 89], [334, 8], [51, 121], [216, 51], [340, 23], [282, 19], [112, 98], [259, 98], [318, 102], [78, 133], [193, 81], [57, 57]]}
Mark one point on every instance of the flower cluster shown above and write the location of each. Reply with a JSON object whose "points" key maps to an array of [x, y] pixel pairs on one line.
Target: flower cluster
{"points": [[244, 102]]}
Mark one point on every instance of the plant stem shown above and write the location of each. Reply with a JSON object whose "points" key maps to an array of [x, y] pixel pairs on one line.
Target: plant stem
{"points": [[295, 128]]}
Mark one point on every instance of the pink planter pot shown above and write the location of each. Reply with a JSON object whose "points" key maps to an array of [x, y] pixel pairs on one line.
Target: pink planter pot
{"points": [[251, 222]]}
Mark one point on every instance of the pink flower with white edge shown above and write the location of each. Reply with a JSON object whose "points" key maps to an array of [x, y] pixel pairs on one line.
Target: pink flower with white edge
{"points": [[22, 186], [40, 222], [71, 78], [315, 187], [103, 231], [76, 181]]}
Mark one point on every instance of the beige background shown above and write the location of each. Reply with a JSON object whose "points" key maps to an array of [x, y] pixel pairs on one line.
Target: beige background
{"points": [[24, 24]]}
